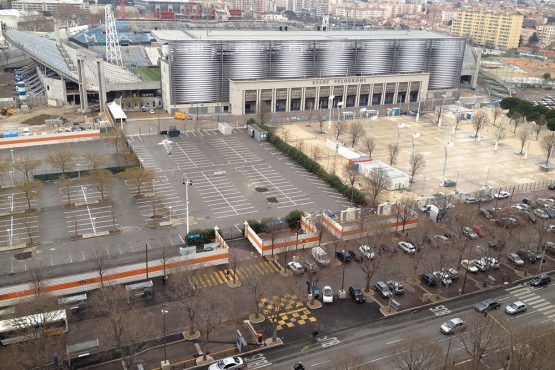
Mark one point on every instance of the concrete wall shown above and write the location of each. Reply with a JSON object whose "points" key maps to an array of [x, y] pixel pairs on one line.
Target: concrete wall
{"points": [[55, 88], [63, 137], [288, 243]]}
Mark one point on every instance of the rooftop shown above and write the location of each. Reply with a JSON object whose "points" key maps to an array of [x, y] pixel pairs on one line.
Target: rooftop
{"points": [[258, 35]]}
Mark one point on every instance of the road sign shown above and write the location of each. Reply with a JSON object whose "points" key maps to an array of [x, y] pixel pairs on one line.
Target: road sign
{"points": [[193, 236], [240, 341]]}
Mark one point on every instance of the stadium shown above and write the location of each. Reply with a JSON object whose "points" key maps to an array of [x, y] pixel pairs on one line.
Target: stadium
{"points": [[240, 72]]}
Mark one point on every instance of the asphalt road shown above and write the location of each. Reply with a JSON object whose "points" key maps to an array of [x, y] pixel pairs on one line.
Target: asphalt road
{"points": [[375, 343]]}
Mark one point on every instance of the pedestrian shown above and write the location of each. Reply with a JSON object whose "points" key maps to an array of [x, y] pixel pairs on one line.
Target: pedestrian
{"points": [[314, 333]]}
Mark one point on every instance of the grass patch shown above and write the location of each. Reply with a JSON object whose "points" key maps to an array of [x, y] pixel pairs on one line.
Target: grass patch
{"points": [[148, 74]]}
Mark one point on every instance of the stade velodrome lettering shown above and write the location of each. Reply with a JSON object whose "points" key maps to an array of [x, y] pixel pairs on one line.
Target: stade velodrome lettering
{"points": [[339, 81]]}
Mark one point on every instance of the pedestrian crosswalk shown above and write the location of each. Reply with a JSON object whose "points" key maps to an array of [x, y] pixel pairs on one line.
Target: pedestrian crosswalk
{"points": [[219, 277], [528, 295]]}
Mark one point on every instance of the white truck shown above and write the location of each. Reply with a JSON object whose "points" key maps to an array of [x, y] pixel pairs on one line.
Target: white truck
{"points": [[320, 256]]}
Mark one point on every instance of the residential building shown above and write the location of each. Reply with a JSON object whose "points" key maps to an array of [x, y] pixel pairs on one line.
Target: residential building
{"points": [[491, 29], [49, 5], [546, 34]]}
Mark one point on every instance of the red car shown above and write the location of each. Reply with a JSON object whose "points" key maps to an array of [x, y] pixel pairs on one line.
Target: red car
{"points": [[478, 230]]}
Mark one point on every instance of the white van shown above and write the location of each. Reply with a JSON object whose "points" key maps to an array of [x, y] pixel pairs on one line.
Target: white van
{"points": [[320, 256]]}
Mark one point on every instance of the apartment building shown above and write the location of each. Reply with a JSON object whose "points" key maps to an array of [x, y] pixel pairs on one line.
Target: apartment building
{"points": [[546, 34], [490, 29]]}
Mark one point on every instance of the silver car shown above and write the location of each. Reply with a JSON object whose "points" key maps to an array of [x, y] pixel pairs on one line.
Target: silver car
{"points": [[516, 308]]}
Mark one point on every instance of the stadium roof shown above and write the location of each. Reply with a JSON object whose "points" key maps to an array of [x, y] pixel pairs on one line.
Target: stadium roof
{"points": [[248, 35], [62, 59]]}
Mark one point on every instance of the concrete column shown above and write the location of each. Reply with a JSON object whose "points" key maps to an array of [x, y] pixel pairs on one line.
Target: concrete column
{"points": [[101, 83], [302, 98], [396, 93], [82, 82], [273, 108], [288, 100], [165, 365]]}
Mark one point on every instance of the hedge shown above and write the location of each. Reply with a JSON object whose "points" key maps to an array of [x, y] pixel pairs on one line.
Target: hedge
{"points": [[206, 236], [74, 174], [312, 166], [530, 111]]}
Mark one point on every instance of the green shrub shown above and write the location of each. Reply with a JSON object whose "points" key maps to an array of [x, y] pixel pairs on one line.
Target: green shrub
{"points": [[255, 225], [293, 218], [206, 236]]}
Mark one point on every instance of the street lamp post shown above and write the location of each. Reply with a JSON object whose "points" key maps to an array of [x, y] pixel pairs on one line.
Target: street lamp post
{"points": [[339, 106], [13, 160], [529, 140], [187, 182], [11, 176], [170, 207], [78, 170], [414, 136], [330, 106], [9, 231], [93, 221], [164, 312], [419, 104], [446, 147]]}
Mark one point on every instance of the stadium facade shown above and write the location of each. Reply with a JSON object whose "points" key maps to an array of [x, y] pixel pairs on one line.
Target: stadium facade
{"points": [[282, 71]]}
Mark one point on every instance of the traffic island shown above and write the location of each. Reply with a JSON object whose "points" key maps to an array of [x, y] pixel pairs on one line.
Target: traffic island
{"points": [[386, 310], [232, 284], [191, 334], [270, 342], [368, 294], [201, 361], [314, 305], [256, 319]]}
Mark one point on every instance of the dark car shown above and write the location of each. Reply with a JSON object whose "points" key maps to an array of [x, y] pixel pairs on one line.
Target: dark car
{"points": [[484, 212], [485, 199], [551, 186], [312, 288], [530, 216], [529, 255], [449, 183], [486, 305], [429, 279], [298, 366], [507, 222], [356, 295], [357, 257], [540, 280], [344, 256]]}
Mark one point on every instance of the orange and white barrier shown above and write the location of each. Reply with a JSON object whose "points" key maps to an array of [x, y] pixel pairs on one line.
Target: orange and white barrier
{"points": [[58, 138]]}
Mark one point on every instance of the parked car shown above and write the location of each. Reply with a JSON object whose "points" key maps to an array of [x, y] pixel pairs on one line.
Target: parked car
{"points": [[487, 263], [152, 111], [486, 305], [507, 222], [312, 288], [298, 366], [470, 199], [515, 259], [453, 273], [441, 238], [521, 207], [515, 308], [545, 202], [383, 289], [425, 209], [485, 198], [396, 287], [366, 251], [228, 363], [444, 277], [540, 280], [407, 247], [453, 326], [344, 256], [551, 228], [469, 265], [484, 212], [549, 247], [449, 183], [296, 267], [529, 255], [327, 294], [469, 233], [540, 213], [530, 216], [429, 279], [357, 257], [502, 195], [310, 266], [356, 295], [551, 186], [479, 231], [550, 211]]}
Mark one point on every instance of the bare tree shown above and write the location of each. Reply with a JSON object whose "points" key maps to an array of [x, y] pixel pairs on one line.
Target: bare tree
{"points": [[127, 158], [369, 267], [352, 176], [62, 160], [377, 183], [413, 354], [27, 165], [321, 120], [263, 114], [526, 349], [256, 283], [101, 263], [500, 125], [524, 136], [369, 145], [340, 127], [127, 328], [102, 180], [480, 119], [279, 297], [182, 288], [117, 137], [356, 132], [37, 276], [95, 160], [316, 153], [416, 162], [30, 190], [480, 336], [548, 145], [233, 263], [393, 150], [516, 118], [5, 167], [210, 316], [29, 230], [65, 186], [138, 177], [404, 212], [540, 122]]}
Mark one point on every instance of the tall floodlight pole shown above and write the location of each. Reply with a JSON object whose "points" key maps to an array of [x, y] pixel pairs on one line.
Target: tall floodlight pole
{"points": [[414, 136], [113, 49], [187, 182], [330, 106], [446, 147]]}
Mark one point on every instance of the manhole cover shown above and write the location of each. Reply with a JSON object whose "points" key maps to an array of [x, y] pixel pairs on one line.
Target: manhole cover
{"points": [[261, 189], [272, 200], [23, 255]]}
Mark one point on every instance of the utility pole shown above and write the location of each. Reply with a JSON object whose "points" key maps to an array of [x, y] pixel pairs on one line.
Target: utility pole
{"points": [[146, 258]]}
